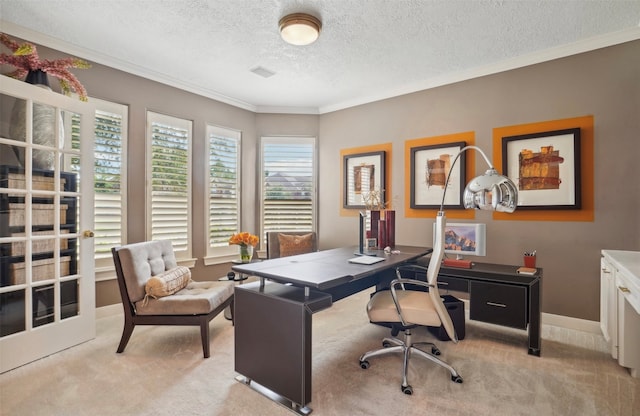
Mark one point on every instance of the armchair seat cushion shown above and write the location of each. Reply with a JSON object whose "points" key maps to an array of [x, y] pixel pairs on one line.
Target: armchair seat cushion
{"points": [[417, 308], [196, 298]]}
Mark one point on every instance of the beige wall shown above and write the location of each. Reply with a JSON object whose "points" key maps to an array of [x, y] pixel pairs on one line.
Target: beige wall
{"points": [[603, 83]]}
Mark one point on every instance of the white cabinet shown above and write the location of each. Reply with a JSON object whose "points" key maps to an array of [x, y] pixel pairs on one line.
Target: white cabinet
{"points": [[620, 306]]}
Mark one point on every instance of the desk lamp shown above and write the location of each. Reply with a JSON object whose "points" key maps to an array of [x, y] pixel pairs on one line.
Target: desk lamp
{"points": [[490, 191]]}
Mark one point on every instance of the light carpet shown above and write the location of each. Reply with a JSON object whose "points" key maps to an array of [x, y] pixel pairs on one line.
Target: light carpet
{"points": [[162, 372]]}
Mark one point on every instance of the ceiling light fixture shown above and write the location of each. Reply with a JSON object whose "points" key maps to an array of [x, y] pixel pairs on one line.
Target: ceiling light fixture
{"points": [[300, 29]]}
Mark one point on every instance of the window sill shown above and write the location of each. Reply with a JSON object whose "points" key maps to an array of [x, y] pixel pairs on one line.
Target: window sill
{"points": [[213, 260]]}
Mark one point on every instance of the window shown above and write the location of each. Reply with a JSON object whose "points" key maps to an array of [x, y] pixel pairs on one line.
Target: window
{"points": [[223, 205], [288, 185], [169, 181], [110, 184]]}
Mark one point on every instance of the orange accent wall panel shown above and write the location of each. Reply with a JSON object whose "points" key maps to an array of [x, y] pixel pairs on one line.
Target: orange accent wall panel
{"points": [[469, 139], [385, 147], [586, 212]]}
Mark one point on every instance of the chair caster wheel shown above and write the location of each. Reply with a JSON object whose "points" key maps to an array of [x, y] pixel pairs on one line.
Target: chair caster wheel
{"points": [[364, 364], [408, 390], [435, 351], [386, 344], [457, 379]]}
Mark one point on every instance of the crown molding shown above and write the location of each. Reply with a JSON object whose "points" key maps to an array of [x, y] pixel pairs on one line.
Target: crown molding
{"points": [[587, 45], [89, 55]]}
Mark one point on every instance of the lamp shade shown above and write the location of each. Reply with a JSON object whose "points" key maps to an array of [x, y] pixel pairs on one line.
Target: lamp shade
{"points": [[300, 29], [492, 192]]}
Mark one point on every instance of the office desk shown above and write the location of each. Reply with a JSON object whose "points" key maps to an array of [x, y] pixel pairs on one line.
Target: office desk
{"points": [[497, 295], [272, 317]]}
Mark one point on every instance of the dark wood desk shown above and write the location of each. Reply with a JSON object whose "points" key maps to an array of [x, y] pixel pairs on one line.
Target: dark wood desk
{"points": [[498, 295], [272, 317]]}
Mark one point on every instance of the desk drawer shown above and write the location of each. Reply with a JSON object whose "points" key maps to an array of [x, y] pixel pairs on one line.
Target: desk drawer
{"points": [[499, 304], [452, 283]]}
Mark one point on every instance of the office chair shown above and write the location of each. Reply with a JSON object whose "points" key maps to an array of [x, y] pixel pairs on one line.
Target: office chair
{"points": [[404, 306]]}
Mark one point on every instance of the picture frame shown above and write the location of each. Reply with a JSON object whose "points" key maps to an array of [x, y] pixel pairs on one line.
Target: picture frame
{"points": [[363, 173], [430, 166], [545, 166]]}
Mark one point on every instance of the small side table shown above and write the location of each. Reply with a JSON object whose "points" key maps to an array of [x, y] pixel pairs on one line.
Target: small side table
{"points": [[238, 278]]}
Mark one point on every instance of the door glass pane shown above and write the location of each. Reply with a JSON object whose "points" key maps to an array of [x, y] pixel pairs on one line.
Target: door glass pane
{"points": [[68, 299], [43, 310], [12, 313], [48, 134], [12, 122]]}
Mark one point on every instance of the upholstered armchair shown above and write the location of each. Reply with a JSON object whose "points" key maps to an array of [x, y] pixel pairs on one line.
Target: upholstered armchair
{"points": [[156, 291], [290, 243]]}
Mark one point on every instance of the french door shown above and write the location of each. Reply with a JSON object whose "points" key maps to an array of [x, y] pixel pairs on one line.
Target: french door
{"points": [[47, 281]]}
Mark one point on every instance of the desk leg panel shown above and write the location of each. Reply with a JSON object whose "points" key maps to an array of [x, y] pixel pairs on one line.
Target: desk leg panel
{"points": [[273, 339], [535, 336], [273, 343]]}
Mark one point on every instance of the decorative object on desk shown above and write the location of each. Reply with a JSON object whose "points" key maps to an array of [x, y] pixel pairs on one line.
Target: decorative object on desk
{"points": [[374, 219], [547, 166], [430, 169], [390, 220], [459, 263], [364, 174], [530, 259], [246, 241], [380, 217], [382, 234]]}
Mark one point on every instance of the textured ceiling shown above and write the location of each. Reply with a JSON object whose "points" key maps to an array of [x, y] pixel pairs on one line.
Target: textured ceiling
{"points": [[368, 49]]}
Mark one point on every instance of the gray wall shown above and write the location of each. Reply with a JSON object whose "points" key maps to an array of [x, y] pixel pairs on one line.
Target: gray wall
{"points": [[603, 83]]}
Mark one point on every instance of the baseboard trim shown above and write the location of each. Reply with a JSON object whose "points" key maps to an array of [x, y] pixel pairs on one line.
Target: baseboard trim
{"points": [[592, 327]]}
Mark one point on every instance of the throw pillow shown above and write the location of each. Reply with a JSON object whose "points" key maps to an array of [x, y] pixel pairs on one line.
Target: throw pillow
{"points": [[167, 283], [291, 245]]}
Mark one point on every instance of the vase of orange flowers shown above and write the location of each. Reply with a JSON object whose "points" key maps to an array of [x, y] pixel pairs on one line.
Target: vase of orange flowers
{"points": [[247, 242]]}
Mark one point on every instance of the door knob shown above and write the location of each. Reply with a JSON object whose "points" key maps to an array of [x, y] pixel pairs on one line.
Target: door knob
{"points": [[88, 234]]}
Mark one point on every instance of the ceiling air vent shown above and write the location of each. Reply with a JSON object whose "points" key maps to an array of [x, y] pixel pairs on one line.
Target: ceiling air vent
{"points": [[262, 71]]}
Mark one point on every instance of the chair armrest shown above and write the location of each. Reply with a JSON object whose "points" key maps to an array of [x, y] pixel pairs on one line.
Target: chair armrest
{"points": [[410, 268]]}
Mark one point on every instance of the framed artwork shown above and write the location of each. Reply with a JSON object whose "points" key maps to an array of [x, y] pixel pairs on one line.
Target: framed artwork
{"points": [[430, 166], [545, 167], [364, 178]]}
